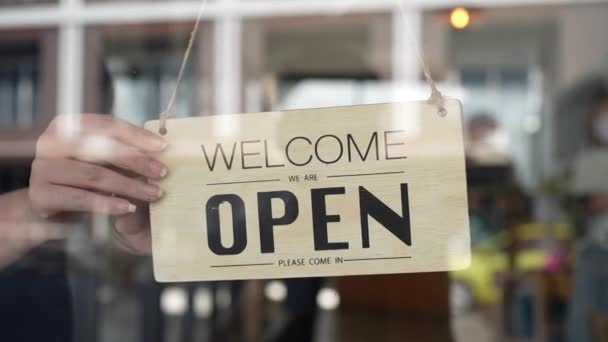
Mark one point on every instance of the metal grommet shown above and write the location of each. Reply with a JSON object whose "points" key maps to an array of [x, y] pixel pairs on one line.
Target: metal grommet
{"points": [[442, 112]]}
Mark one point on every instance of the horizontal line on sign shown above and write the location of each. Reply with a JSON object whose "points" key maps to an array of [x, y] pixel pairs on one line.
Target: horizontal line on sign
{"points": [[245, 182], [372, 259], [242, 265], [367, 174]]}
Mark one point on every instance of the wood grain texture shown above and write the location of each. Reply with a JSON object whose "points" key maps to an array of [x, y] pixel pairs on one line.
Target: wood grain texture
{"points": [[415, 146]]}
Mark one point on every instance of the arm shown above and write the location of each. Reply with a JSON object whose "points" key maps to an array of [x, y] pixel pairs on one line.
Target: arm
{"points": [[17, 222], [99, 169]]}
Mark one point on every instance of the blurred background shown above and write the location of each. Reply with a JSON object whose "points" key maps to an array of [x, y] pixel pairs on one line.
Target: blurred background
{"points": [[532, 78]]}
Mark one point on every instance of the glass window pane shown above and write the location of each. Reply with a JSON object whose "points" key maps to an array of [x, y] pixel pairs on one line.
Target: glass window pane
{"points": [[75, 196]]}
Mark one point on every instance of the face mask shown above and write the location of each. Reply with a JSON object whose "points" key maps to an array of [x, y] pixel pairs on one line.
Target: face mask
{"points": [[600, 128]]}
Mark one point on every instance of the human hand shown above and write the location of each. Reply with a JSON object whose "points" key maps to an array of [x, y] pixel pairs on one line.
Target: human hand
{"points": [[99, 169]]}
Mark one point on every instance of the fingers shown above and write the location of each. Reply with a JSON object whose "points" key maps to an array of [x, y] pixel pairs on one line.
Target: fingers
{"points": [[106, 140], [131, 159], [74, 172], [105, 126], [103, 150], [49, 199], [77, 174], [132, 232], [138, 244], [133, 223], [123, 131]]}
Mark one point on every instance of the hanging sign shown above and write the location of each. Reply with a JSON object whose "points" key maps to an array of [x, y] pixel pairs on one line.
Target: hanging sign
{"points": [[323, 192]]}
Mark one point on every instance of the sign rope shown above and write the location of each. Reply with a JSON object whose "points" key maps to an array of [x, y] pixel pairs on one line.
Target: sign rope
{"points": [[436, 97], [167, 113]]}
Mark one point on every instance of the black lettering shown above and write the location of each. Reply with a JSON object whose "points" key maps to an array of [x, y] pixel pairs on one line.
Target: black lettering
{"points": [[220, 148], [320, 219], [339, 144], [239, 225], [267, 222], [287, 151], [370, 205], [351, 143], [243, 154], [387, 144], [266, 153]]}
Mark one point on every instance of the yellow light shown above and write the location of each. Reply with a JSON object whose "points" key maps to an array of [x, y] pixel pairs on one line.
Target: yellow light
{"points": [[460, 18]]}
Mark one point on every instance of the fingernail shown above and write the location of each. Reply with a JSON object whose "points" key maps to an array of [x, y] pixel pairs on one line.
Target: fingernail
{"points": [[125, 207], [158, 169], [164, 172], [158, 144], [152, 191]]}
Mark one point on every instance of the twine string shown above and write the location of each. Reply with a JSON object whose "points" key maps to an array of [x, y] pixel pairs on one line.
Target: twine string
{"points": [[167, 113], [436, 97]]}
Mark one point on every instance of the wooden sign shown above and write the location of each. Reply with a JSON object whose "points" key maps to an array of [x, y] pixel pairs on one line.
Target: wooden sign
{"points": [[322, 192]]}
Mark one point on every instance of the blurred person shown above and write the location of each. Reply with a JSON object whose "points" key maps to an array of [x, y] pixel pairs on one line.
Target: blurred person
{"points": [[581, 117], [598, 123], [100, 168], [488, 165], [301, 310], [589, 304], [486, 143]]}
